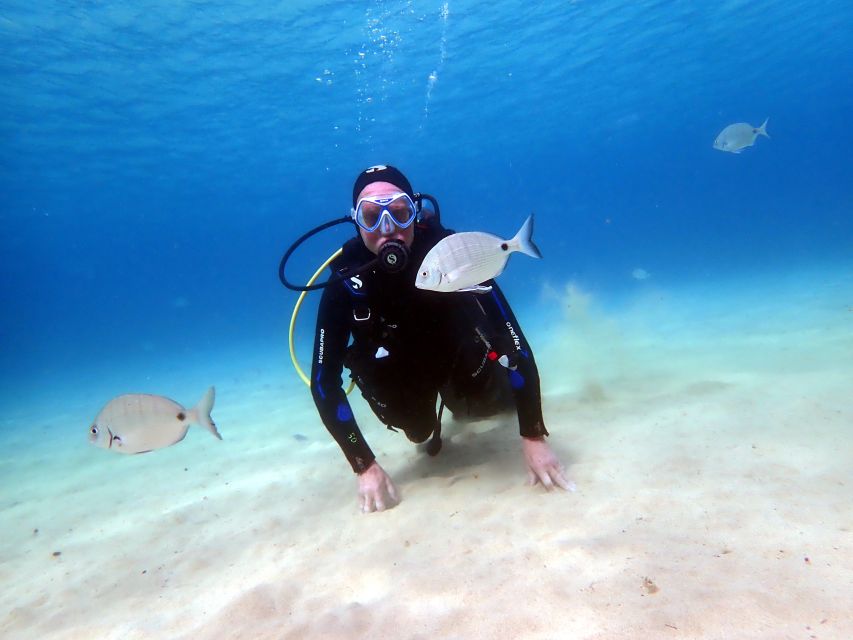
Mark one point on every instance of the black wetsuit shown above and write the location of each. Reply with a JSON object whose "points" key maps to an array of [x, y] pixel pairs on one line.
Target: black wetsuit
{"points": [[409, 345]]}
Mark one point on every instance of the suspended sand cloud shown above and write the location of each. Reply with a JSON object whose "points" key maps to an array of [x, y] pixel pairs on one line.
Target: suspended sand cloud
{"points": [[583, 348], [574, 301]]}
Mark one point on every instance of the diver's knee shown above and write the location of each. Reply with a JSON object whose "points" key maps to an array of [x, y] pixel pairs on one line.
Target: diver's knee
{"points": [[420, 431], [418, 436]]}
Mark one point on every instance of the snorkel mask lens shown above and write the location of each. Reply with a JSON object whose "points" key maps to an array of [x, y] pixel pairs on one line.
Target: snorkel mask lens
{"points": [[399, 207]]}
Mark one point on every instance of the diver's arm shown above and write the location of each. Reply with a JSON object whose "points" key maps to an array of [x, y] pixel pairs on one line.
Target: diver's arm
{"points": [[543, 465], [524, 379], [330, 343]]}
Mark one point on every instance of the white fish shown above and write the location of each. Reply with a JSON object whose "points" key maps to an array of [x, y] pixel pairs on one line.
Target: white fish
{"points": [[739, 136], [139, 422], [460, 262]]}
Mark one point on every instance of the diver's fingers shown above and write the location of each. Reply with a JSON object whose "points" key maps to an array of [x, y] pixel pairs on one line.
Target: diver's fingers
{"points": [[380, 503], [362, 500], [560, 480], [531, 478], [545, 478], [392, 491]]}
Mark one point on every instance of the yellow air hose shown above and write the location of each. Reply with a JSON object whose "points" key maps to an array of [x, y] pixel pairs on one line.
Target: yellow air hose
{"points": [[296, 308]]}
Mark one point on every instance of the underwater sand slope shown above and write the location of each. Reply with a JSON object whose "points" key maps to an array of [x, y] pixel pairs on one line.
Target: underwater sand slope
{"points": [[714, 501]]}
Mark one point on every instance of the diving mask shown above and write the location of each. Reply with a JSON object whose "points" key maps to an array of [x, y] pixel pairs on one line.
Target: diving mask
{"points": [[370, 210]]}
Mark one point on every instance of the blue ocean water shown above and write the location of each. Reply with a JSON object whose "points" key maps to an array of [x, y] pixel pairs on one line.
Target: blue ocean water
{"points": [[158, 157]]}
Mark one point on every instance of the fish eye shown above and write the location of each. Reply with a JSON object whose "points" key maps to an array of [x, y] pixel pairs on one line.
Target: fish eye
{"points": [[424, 273], [93, 430]]}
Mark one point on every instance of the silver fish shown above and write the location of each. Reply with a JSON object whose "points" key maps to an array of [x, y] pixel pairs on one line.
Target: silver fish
{"points": [[460, 262], [139, 422], [739, 136]]}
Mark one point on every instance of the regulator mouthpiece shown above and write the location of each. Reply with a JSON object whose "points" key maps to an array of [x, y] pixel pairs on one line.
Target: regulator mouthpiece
{"points": [[393, 256]]}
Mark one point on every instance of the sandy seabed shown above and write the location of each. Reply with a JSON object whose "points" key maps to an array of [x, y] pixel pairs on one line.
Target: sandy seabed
{"points": [[711, 445]]}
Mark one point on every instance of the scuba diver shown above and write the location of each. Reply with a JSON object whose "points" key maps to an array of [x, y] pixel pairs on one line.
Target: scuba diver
{"points": [[411, 346]]}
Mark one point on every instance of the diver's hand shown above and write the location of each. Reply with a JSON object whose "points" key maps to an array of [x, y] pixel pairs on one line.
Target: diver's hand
{"points": [[543, 465], [376, 492]]}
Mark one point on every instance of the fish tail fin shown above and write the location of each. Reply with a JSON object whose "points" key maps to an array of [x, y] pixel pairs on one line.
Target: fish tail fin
{"points": [[200, 414], [762, 130], [523, 240]]}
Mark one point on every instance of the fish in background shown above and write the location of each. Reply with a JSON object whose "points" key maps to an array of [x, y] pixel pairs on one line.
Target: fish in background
{"points": [[640, 274], [139, 422], [737, 137], [462, 261]]}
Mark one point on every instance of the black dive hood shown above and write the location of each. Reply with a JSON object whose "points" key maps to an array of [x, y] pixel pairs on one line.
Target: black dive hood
{"points": [[393, 255]]}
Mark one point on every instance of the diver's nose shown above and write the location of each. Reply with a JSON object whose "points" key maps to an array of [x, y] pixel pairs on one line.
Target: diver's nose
{"points": [[387, 225]]}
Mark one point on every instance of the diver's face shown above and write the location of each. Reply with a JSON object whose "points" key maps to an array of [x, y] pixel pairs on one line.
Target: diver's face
{"points": [[386, 231]]}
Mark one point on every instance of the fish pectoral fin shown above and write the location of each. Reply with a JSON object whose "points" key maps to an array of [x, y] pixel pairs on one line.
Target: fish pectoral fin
{"points": [[452, 276], [477, 288]]}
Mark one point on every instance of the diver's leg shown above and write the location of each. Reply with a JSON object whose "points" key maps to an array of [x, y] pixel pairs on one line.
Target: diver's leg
{"points": [[493, 394], [434, 444], [418, 420], [482, 394], [403, 404]]}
